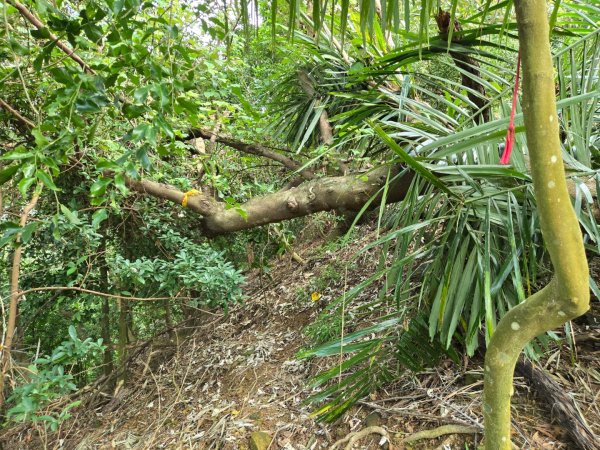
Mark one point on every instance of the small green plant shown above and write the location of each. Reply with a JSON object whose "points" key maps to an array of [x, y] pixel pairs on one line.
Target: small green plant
{"points": [[326, 328], [340, 242], [49, 378], [332, 273]]}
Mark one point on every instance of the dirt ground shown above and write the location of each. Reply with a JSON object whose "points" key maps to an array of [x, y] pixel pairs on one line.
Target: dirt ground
{"points": [[231, 375]]}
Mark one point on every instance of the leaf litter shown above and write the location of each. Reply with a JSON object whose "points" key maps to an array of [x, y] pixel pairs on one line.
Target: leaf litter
{"points": [[227, 376]]}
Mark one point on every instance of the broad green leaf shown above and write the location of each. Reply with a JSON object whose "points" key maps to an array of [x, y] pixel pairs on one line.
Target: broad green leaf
{"points": [[16, 154], [98, 217], [98, 188], [24, 185], [46, 179], [70, 215], [28, 231], [7, 173]]}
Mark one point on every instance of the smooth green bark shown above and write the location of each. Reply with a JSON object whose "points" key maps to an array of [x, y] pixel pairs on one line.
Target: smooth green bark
{"points": [[567, 294]]}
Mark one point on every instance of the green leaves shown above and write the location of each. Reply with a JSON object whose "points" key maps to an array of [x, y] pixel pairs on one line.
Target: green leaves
{"points": [[412, 162], [91, 102], [49, 378], [98, 217], [12, 232], [371, 362], [7, 173], [193, 267], [62, 75], [46, 179], [19, 153], [70, 215], [144, 132], [98, 188]]}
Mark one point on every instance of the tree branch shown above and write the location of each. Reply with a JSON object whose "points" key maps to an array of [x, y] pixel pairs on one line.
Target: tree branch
{"points": [[344, 193], [325, 129], [253, 149], [14, 296], [468, 66], [36, 22], [24, 120], [98, 293]]}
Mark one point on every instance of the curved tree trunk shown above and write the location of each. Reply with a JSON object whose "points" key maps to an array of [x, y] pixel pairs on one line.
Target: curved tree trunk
{"points": [[567, 294]]}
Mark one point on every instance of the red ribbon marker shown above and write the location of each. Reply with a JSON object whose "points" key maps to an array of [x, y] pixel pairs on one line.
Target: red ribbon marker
{"points": [[510, 134]]}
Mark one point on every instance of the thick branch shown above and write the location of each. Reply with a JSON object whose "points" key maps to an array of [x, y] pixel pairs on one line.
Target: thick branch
{"points": [[325, 129], [253, 149], [468, 66], [199, 203], [345, 193]]}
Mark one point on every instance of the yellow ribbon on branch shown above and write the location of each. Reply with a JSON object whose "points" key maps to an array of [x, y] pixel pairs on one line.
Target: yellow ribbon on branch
{"points": [[187, 195]]}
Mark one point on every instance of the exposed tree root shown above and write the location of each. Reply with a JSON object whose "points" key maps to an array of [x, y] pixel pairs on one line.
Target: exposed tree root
{"points": [[353, 438], [441, 431]]}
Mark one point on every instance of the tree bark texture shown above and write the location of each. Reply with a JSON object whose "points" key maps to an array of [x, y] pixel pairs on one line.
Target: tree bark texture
{"points": [[468, 66], [341, 194], [107, 360], [561, 404], [567, 294], [123, 339]]}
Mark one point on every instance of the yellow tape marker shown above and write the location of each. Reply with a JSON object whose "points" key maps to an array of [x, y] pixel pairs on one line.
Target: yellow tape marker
{"points": [[187, 195]]}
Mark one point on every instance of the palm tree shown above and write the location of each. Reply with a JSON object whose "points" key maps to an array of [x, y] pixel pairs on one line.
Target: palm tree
{"points": [[468, 193]]}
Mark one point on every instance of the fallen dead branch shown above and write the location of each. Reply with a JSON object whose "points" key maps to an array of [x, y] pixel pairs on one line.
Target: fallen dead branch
{"points": [[562, 405], [353, 438]]}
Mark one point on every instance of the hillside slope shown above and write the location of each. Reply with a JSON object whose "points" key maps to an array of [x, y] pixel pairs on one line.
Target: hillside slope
{"points": [[230, 375]]}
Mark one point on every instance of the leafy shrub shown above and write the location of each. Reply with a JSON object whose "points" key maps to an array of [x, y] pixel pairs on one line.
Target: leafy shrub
{"points": [[49, 378], [196, 268]]}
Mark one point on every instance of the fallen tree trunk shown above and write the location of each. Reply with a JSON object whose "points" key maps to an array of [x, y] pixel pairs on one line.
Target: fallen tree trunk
{"points": [[341, 194], [561, 404]]}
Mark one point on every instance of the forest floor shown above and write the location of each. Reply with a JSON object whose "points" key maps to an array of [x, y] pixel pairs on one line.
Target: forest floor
{"points": [[235, 374]]}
